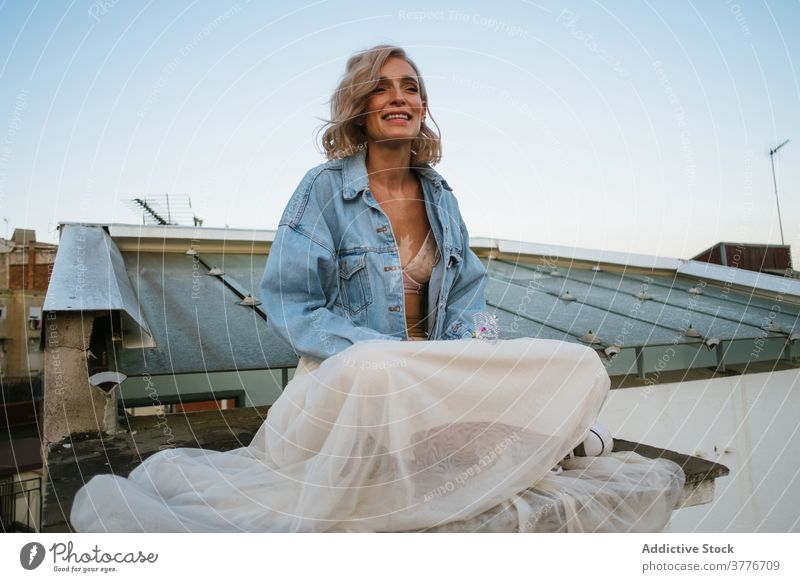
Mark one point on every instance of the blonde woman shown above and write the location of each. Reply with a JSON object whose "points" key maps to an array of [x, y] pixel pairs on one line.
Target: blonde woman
{"points": [[377, 431], [372, 244]]}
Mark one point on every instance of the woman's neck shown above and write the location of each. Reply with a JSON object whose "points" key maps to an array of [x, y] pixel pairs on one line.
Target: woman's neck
{"points": [[389, 168]]}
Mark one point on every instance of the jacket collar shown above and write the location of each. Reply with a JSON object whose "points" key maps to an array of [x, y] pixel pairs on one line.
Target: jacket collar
{"points": [[355, 178]]}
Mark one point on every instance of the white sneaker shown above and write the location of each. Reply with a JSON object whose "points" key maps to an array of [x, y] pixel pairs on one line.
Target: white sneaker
{"points": [[598, 443]]}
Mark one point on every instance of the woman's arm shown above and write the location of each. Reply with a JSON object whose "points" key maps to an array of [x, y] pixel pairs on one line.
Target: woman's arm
{"points": [[467, 296], [301, 274]]}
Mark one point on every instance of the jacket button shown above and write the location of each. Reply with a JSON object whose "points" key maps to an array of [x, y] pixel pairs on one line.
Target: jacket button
{"points": [[394, 308], [381, 229], [390, 268]]}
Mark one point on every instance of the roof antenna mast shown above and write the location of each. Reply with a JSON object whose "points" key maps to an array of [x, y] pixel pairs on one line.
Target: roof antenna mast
{"points": [[775, 183]]}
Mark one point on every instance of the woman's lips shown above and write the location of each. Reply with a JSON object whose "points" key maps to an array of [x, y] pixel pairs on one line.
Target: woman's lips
{"points": [[397, 116]]}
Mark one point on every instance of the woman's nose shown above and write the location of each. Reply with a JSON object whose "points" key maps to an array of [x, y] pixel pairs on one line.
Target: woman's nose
{"points": [[397, 94]]}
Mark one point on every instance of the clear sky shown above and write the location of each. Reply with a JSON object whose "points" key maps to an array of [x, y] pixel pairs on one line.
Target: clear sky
{"points": [[633, 126]]}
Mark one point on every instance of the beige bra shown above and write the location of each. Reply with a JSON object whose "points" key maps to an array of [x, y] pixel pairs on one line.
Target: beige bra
{"points": [[418, 270]]}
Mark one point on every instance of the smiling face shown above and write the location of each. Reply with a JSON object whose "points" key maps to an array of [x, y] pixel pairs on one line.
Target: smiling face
{"points": [[395, 109]]}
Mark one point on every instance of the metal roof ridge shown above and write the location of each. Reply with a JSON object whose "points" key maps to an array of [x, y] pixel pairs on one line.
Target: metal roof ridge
{"points": [[741, 277], [180, 231], [747, 244], [200, 233], [589, 255]]}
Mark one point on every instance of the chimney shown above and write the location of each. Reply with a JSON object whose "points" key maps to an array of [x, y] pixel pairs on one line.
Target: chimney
{"points": [[23, 237], [29, 282]]}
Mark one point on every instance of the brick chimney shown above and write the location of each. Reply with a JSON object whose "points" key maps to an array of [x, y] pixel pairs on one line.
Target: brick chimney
{"points": [[25, 237], [31, 270]]}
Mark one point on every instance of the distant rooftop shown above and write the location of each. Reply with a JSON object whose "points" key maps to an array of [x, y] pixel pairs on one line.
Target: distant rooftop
{"points": [[22, 237], [764, 258]]}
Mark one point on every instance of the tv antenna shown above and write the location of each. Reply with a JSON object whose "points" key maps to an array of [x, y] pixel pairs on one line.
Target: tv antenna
{"points": [[163, 209], [775, 183]]}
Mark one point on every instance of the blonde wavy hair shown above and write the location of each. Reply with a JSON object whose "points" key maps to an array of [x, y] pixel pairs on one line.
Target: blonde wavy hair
{"points": [[343, 137]]}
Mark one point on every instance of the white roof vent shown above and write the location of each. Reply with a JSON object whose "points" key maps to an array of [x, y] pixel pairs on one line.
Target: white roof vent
{"points": [[643, 295], [696, 291], [590, 338], [216, 272], [772, 326], [691, 332], [250, 301], [555, 273], [596, 269], [567, 296], [191, 251]]}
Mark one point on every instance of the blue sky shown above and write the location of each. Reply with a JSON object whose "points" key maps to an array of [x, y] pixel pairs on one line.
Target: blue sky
{"points": [[632, 126]]}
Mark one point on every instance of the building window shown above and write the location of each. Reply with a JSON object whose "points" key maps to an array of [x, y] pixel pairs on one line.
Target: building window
{"points": [[35, 318]]}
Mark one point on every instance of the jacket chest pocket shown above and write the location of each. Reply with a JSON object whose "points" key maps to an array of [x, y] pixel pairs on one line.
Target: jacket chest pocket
{"points": [[355, 293]]}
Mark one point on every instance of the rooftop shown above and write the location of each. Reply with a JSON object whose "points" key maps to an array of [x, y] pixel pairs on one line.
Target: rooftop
{"points": [[172, 308], [175, 317]]}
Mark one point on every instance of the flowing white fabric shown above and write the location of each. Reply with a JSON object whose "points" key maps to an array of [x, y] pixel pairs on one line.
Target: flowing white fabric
{"points": [[400, 436]]}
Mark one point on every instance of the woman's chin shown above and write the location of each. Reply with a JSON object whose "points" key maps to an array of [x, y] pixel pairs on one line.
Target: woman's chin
{"points": [[396, 139]]}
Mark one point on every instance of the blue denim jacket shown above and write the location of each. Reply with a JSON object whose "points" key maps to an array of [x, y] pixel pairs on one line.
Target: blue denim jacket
{"points": [[333, 275]]}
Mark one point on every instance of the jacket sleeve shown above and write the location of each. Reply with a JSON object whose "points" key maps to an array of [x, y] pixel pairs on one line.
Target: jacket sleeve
{"points": [[301, 265], [467, 296]]}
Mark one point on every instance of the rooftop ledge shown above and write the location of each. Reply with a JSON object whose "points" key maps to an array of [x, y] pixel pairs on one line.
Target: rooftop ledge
{"points": [[80, 457]]}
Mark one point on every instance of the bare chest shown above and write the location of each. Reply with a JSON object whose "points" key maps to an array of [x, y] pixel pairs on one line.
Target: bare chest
{"points": [[410, 225]]}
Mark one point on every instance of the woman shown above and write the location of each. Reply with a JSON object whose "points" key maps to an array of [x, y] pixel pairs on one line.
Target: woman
{"points": [[378, 434], [372, 244]]}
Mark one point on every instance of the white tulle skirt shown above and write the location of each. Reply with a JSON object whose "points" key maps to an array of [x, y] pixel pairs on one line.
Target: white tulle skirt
{"points": [[401, 436]]}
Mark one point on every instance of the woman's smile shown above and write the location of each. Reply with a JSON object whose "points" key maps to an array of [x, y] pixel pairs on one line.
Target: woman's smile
{"points": [[397, 117]]}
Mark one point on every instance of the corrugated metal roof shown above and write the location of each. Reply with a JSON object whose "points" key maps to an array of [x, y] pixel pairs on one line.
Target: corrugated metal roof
{"points": [[646, 316], [610, 302], [197, 319]]}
